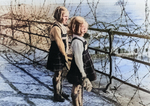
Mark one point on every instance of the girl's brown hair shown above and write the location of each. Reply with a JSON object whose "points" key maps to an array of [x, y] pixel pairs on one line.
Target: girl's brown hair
{"points": [[75, 25], [58, 13]]}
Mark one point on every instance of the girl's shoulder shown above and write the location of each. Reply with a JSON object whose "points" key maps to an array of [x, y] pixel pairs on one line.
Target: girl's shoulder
{"points": [[76, 37], [77, 42], [55, 29]]}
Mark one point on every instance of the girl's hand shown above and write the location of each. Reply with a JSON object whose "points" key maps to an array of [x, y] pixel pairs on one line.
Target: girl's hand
{"points": [[66, 58], [87, 84]]}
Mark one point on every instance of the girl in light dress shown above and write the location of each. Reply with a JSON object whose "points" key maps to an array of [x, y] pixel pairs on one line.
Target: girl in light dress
{"points": [[82, 70]]}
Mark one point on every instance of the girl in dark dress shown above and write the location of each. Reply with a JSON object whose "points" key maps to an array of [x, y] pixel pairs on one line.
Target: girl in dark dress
{"points": [[57, 57]]}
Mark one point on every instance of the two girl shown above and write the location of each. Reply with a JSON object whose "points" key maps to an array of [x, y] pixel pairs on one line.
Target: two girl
{"points": [[81, 71]]}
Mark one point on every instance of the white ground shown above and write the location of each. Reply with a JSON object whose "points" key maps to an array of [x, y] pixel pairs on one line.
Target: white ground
{"points": [[32, 86]]}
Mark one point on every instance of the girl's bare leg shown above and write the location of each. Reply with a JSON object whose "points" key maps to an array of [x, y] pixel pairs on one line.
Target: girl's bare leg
{"points": [[57, 87], [80, 97], [77, 95]]}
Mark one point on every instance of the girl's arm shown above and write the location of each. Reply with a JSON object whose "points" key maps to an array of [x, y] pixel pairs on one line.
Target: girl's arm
{"points": [[67, 45], [77, 47], [56, 32]]}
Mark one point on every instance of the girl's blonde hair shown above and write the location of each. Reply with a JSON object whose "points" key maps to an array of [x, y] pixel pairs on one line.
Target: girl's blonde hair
{"points": [[75, 25], [58, 13]]}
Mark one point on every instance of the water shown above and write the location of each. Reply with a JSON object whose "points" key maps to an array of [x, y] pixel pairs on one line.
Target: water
{"points": [[110, 13], [132, 20]]}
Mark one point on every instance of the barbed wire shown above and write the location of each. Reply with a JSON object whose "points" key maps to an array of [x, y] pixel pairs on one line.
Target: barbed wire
{"points": [[12, 24]]}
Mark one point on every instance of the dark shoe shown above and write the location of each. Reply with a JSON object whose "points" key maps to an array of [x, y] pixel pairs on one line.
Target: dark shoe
{"points": [[65, 95], [58, 98]]}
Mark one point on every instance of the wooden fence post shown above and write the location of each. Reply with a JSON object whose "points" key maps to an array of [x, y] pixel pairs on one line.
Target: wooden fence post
{"points": [[30, 39], [12, 42]]}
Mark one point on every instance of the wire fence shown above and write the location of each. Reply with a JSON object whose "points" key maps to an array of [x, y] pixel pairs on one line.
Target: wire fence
{"points": [[119, 47]]}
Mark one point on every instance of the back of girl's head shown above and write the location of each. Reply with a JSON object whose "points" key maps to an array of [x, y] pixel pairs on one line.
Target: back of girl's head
{"points": [[58, 13], [75, 25]]}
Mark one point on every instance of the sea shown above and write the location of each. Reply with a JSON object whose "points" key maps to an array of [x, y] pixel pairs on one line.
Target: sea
{"points": [[132, 17], [131, 14]]}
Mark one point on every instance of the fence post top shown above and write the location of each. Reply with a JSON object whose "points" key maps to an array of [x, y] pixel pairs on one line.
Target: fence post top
{"points": [[110, 31]]}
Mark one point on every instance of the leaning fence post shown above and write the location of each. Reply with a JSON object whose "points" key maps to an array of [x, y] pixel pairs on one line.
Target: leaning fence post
{"points": [[12, 29], [2, 37], [30, 40], [12, 42], [110, 32]]}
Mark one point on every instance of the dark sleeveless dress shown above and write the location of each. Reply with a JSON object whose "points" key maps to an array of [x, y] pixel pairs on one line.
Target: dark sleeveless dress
{"points": [[74, 76], [56, 61]]}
